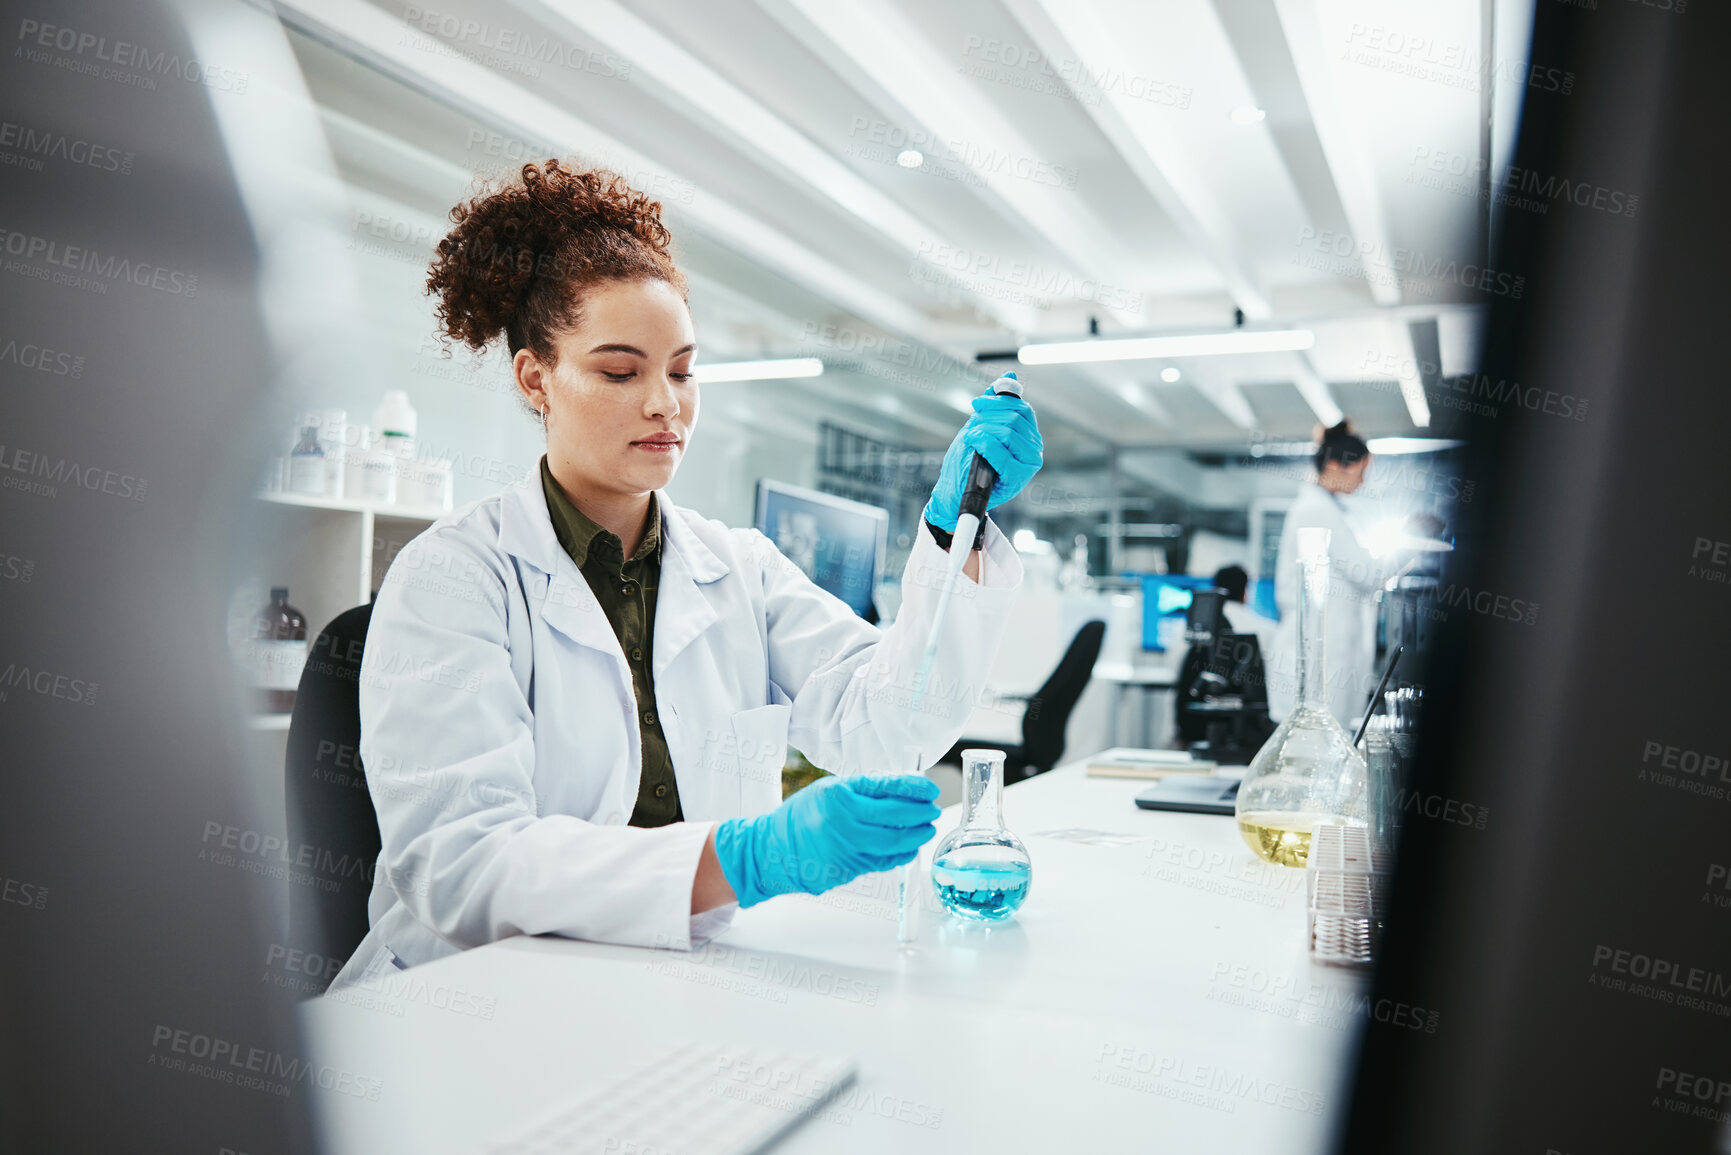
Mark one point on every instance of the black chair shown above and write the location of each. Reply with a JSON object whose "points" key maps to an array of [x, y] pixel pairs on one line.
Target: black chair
{"points": [[333, 833], [1048, 711]]}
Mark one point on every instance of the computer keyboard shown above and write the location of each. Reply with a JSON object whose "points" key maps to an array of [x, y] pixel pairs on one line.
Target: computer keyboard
{"points": [[690, 1099]]}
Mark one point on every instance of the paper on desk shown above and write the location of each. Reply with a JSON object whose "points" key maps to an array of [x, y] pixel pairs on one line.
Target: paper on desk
{"points": [[1126, 762], [1091, 837]]}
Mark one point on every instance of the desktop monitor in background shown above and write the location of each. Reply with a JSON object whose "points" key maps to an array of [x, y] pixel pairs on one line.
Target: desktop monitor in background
{"points": [[839, 543], [1261, 599], [1164, 596]]}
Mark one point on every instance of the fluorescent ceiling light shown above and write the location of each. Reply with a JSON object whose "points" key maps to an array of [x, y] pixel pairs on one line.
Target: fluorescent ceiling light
{"points": [[1247, 114], [1412, 392], [1169, 374], [1399, 445], [910, 158], [1143, 348], [758, 370]]}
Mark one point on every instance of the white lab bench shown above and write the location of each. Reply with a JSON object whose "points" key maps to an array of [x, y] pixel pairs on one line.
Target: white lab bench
{"points": [[1154, 994]]}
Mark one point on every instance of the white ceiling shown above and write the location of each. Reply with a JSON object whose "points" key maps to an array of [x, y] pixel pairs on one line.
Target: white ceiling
{"points": [[1079, 163]]}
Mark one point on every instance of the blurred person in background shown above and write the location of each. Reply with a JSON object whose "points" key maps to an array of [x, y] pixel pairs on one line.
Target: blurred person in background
{"points": [[1349, 647]]}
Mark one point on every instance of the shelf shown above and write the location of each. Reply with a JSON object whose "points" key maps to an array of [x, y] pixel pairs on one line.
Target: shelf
{"points": [[355, 505], [268, 721]]}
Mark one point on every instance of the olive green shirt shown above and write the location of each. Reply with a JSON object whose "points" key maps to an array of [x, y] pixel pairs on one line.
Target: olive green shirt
{"points": [[626, 590]]}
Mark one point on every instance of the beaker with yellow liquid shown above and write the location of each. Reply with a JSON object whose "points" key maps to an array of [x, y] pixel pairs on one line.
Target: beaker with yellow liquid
{"points": [[1307, 773]]}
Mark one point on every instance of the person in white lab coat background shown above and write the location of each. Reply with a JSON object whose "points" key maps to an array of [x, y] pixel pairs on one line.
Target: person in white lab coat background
{"points": [[575, 696], [1349, 646]]}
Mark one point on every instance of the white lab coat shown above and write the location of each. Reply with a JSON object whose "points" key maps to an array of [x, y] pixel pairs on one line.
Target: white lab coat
{"points": [[500, 735], [1349, 646]]}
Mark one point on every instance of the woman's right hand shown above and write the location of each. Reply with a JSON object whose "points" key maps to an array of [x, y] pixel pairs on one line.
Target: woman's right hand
{"points": [[829, 833], [1004, 431]]}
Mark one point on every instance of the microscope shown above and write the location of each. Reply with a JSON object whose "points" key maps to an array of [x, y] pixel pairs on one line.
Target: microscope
{"points": [[1222, 694]]}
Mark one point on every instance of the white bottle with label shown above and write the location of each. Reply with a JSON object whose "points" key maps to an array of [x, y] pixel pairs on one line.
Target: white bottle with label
{"points": [[394, 421]]}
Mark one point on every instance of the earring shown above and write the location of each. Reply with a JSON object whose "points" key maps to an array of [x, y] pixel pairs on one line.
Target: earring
{"points": [[543, 415]]}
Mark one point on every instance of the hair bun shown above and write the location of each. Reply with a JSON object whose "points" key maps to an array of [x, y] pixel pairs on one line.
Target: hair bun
{"points": [[516, 256], [1340, 443]]}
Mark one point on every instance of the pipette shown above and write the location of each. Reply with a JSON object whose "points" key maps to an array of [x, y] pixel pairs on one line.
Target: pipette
{"points": [[981, 478]]}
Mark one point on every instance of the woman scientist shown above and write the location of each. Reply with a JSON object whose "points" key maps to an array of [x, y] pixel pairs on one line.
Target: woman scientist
{"points": [[1349, 632], [576, 697]]}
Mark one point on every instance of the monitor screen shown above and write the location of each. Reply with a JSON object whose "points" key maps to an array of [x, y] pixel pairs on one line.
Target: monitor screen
{"points": [[838, 543], [1164, 595], [1261, 599]]}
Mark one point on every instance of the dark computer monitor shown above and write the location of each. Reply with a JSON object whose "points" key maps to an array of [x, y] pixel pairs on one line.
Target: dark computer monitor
{"points": [[1206, 617], [838, 543]]}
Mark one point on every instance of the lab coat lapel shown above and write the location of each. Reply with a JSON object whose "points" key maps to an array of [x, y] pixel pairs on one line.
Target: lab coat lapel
{"points": [[570, 607], [567, 603], [682, 611]]}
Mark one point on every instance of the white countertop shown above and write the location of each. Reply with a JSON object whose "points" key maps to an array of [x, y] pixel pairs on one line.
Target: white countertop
{"points": [[1151, 995], [1137, 673]]}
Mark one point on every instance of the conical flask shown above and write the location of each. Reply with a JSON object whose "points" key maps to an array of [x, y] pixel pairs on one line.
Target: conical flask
{"points": [[980, 870], [1307, 773]]}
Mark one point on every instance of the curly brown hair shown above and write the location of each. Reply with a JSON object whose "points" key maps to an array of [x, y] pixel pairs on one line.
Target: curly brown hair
{"points": [[520, 256]]}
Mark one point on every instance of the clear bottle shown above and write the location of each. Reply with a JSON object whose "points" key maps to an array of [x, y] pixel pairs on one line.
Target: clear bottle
{"points": [[279, 649], [1307, 773], [306, 465], [980, 870]]}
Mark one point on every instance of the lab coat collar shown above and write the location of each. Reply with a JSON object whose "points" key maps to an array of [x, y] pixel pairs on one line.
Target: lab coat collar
{"points": [[682, 541], [526, 528], [526, 533], [682, 611]]}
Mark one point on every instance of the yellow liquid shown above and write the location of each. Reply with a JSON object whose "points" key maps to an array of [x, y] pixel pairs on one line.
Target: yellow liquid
{"points": [[1283, 839]]}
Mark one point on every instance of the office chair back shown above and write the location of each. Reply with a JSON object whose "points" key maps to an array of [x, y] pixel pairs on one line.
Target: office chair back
{"points": [[1049, 709], [333, 833]]}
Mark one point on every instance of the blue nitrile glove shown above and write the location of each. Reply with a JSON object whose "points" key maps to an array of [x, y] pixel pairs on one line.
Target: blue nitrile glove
{"points": [[1004, 432], [829, 833]]}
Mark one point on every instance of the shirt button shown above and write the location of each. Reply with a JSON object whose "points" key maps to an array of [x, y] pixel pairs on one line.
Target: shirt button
{"points": [[661, 790], [649, 717], [628, 588], [636, 655]]}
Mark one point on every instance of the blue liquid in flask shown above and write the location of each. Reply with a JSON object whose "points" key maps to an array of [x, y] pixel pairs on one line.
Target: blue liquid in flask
{"points": [[986, 891]]}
